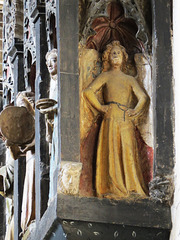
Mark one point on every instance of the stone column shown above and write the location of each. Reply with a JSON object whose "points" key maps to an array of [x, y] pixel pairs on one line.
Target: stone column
{"points": [[67, 40], [41, 87], [161, 187]]}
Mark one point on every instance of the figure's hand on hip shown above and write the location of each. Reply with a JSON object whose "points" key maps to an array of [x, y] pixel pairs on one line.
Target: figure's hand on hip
{"points": [[105, 108], [131, 112]]}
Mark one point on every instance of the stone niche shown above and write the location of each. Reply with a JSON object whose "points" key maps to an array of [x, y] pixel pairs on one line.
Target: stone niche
{"points": [[110, 25], [88, 213]]}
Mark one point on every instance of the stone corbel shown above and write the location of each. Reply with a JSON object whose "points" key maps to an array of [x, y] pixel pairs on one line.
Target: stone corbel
{"points": [[69, 177]]}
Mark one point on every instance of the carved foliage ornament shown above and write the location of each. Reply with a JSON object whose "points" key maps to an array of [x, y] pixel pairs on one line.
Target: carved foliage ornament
{"points": [[162, 189], [13, 22], [114, 27]]}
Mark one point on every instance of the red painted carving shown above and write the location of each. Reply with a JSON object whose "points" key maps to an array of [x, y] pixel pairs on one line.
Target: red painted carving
{"points": [[114, 27], [146, 154]]}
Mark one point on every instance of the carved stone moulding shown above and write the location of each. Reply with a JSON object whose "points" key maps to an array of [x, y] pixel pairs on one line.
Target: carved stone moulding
{"points": [[29, 49], [132, 10], [13, 35], [8, 80], [9, 22], [30, 5], [50, 5], [8, 94], [29, 39], [19, 15], [29, 29], [29, 66], [13, 23], [34, 6], [140, 11], [51, 24]]}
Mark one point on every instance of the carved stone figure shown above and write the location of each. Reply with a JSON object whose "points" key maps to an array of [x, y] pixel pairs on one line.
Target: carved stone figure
{"points": [[27, 100], [69, 177], [51, 61], [20, 140], [118, 166], [48, 106]]}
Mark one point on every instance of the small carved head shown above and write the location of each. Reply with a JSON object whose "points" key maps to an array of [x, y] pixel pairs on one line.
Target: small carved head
{"points": [[115, 54], [69, 178], [51, 61]]}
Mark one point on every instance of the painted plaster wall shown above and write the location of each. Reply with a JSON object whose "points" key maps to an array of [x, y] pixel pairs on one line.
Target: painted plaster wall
{"points": [[175, 234]]}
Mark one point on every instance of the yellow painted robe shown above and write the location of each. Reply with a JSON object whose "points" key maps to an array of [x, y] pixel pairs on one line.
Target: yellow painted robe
{"points": [[118, 170]]}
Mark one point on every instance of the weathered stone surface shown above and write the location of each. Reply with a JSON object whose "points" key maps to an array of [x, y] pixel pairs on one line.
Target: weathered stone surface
{"points": [[161, 189]]}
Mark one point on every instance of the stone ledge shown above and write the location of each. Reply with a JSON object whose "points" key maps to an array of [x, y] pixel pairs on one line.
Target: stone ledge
{"points": [[139, 213]]}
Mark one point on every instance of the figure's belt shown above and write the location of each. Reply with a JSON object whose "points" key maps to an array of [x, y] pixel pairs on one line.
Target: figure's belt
{"points": [[120, 106]]}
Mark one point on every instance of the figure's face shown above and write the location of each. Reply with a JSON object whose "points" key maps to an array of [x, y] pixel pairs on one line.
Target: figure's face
{"points": [[52, 64], [116, 56], [69, 181]]}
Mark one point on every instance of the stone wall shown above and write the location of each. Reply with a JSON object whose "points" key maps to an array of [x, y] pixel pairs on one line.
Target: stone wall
{"points": [[175, 233]]}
